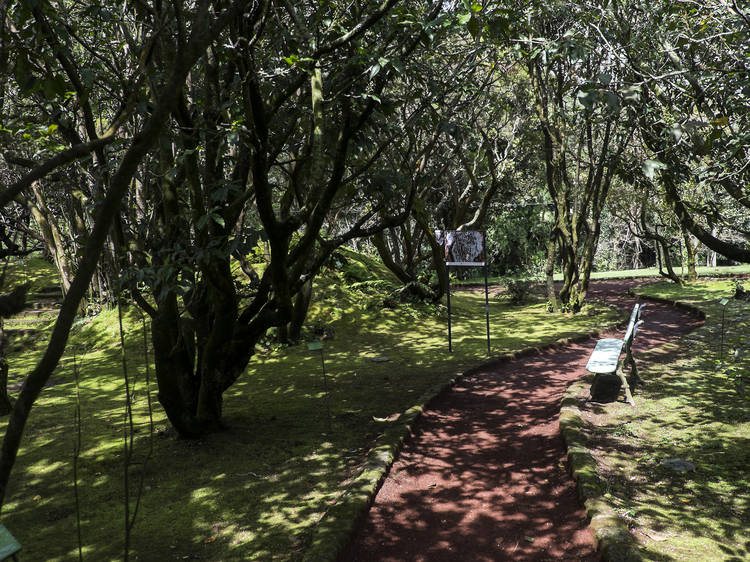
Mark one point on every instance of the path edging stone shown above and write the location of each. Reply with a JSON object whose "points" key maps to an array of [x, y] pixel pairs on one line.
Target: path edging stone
{"points": [[614, 540], [334, 531]]}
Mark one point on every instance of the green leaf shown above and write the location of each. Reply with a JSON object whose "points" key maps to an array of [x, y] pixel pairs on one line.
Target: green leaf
{"points": [[26, 80], [613, 101], [676, 131], [650, 167], [721, 121], [87, 77], [631, 94], [463, 19], [474, 27], [53, 86], [499, 27], [587, 98]]}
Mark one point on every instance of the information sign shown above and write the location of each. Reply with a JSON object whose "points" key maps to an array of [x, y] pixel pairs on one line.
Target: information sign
{"points": [[462, 247]]}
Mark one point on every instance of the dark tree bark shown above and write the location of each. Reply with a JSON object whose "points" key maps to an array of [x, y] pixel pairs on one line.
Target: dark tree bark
{"points": [[10, 304]]}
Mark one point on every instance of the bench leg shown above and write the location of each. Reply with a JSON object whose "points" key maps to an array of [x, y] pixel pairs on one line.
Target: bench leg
{"points": [[623, 378], [634, 378]]}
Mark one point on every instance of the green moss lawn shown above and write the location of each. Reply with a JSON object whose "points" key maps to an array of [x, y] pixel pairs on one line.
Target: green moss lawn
{"points": [[703, 271], [258, 490], [692, 407]]}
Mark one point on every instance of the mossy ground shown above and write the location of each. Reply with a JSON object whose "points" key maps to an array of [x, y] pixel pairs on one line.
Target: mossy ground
{"points": [[703, 271], [258, 489], [691, 407]]}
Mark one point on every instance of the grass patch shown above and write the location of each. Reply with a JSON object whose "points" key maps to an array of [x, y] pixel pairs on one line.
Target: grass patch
{"points": [[703, 271], [258, 490], [693, 408]]}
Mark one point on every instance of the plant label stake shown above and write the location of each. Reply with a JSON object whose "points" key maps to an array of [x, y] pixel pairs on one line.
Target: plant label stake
{"points": [[723, 303], [318, 346]]}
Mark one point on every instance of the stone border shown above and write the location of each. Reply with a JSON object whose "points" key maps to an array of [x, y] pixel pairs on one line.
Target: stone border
{"points": [[613, 538], [611, 533], [335, 529]]}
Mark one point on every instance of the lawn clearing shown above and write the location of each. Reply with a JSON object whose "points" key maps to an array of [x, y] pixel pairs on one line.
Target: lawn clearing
{"points": [[258, 490], [693, 408], [703, 271]]}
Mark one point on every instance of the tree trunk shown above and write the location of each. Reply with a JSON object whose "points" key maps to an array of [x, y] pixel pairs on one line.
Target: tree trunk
{"points": [[299, 312], [174, 360], [587, 264], [691, 251], [549, 271], [667, 260], [378, 240], [658, 258], [5, 404], [570, 271], [52, 238]]}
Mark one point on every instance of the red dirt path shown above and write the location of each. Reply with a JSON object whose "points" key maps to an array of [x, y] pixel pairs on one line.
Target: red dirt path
{"points": [[484, 476]]}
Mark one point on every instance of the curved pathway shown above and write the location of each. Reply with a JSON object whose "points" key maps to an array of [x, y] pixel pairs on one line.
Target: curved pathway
{"points": [[484, 476]]}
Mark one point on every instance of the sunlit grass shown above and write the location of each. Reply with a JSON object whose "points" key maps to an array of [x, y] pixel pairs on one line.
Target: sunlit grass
{"points": [[702, 271], [691, 407], [257, 490]]}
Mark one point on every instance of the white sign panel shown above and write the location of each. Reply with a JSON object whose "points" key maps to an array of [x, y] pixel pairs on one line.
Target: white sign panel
{"points": [[462, 247]]}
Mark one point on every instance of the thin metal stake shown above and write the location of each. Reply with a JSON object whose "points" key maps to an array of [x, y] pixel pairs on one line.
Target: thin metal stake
{"points": [[723, 313], [448, 292], [723, 303], [487, 304], [325, 387], [318, 346]]}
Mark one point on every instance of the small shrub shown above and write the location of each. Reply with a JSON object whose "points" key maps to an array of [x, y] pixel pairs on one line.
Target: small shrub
{"points": [[355, 272], [518, 289], [740, 292], [413, 292]]}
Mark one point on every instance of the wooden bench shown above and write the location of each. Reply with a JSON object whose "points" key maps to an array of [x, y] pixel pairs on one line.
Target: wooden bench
{"points": [[605, 363], [9, 546]]}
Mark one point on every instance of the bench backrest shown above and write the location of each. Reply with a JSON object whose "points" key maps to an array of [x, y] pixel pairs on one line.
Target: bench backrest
{"points": [[635, 322]]}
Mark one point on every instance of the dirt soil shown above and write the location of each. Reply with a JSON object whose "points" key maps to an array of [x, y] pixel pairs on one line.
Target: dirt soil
{"points": [[484, 476]]}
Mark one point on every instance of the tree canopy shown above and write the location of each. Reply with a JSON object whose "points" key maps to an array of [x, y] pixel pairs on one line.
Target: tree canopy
{"points": [[148, 147]]}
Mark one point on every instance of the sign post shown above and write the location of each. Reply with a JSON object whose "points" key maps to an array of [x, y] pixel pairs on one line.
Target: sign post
{"points": [[486, 297], [464, 248], [448, 295]]}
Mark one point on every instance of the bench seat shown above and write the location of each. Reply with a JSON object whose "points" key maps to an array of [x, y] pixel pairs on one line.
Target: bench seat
{"points": [[605, 356], [606, 365]]}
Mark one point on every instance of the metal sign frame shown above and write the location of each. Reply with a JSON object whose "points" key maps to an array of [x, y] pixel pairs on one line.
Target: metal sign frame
{"points": [[461, 244]]}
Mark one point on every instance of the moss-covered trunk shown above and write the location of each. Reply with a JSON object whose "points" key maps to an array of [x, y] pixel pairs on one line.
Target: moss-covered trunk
{"points": [[691, 249], [549, 271]]}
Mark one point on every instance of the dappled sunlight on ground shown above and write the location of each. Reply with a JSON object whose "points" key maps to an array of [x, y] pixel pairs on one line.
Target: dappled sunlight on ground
{"points": [[484, 477]]}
